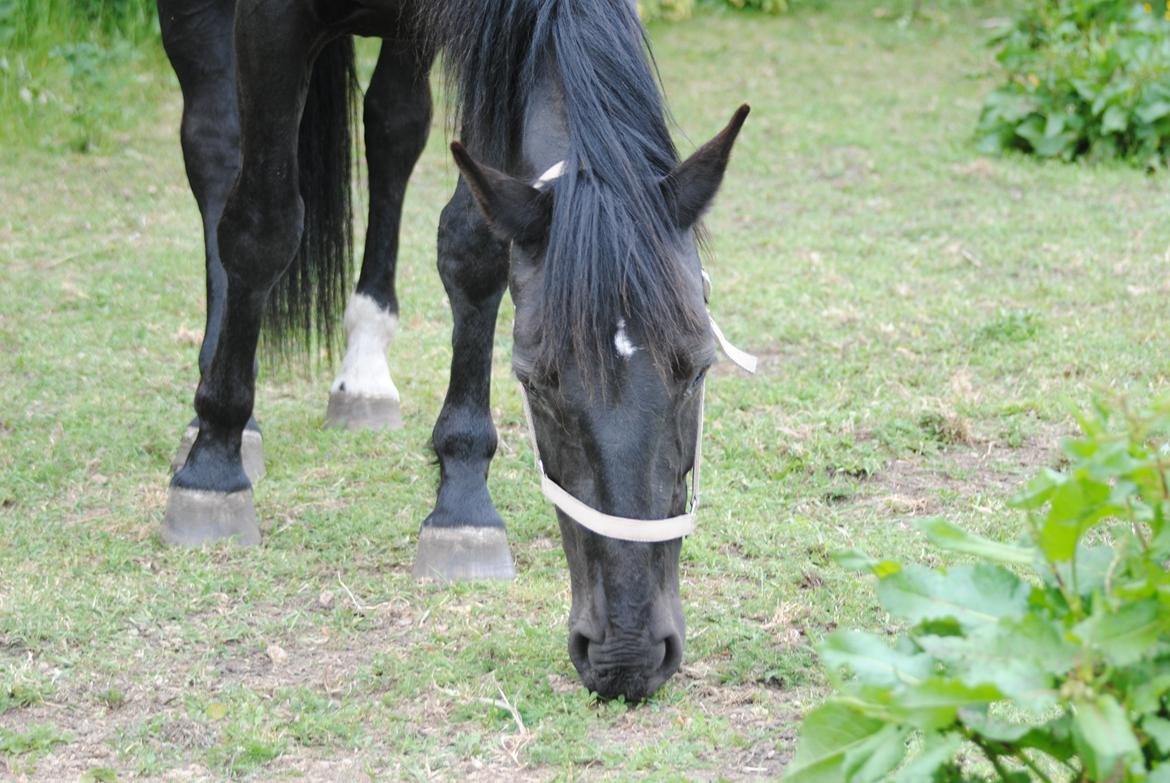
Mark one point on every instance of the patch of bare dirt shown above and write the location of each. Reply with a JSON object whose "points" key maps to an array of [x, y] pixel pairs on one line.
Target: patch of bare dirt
{"points": [[970, 471], [166, 670], [107, 732]]}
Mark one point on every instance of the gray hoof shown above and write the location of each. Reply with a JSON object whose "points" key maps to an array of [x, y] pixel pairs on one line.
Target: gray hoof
{"points": [[197, 517], [251, 453], [354, 412], [448, 554]]}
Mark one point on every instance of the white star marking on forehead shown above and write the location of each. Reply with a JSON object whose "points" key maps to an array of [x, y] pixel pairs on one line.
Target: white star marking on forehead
{"points": [[621, 341]]}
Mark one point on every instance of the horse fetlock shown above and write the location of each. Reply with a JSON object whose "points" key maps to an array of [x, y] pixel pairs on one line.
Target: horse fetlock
{"points": [[370, 329], [251, 452], [364, 396]]}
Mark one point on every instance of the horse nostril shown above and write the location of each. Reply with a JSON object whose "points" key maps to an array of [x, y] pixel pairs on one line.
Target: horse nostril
{"points": [[579, 651], [672, 656]]}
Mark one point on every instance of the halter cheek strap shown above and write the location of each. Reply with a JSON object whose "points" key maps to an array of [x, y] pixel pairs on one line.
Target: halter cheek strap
{"points": [[626, 528], [623, 528]]}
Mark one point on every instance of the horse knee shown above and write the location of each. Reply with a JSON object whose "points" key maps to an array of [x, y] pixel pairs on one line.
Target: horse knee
{"points": [[473, 261], [398, 128], [258, 235]]}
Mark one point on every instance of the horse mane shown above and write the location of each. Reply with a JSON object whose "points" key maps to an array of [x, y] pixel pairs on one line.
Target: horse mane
{"points": [[612, 249]]}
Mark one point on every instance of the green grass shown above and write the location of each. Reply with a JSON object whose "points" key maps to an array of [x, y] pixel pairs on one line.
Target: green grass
{"points": [[924, 317]]}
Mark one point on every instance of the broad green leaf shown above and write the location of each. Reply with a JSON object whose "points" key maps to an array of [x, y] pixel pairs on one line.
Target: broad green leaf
{"points": [[872, 660], [856, 560], [946, 536], [1091, 565], [1160, 773], [827, 735], [1127, 634], [1114, 120], [972, 595], [937, 751], [1103, 736], [1035, 131], [1147, 697], [1039, 490], [991, 728], [1086, 88], [871, 761], [1038, 638], [935, 704], [1076, 505], [1054, 126], [1019, 658], [1159, 731], [1153, 111], [1052, 737]]}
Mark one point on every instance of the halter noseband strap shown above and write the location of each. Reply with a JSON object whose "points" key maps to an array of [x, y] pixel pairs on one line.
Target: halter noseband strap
{"points": [[627, 528]]}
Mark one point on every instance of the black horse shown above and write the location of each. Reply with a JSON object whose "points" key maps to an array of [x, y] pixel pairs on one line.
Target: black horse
{"points": [[571, 192]]}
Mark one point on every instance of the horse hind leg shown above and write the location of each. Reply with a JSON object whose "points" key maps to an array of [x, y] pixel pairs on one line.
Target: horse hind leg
{"points": [[397, 122], [202, 56], [259, 233]]}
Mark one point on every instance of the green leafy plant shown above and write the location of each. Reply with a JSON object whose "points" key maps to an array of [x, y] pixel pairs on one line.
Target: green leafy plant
{"points": [[1084, 78], [767, 6], [1047, 659], [671, 10], [71, 71], [674, 10], [89, 65]]}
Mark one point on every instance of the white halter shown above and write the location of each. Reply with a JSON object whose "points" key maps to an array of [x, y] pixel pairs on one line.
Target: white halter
{"points": [[626, 528]]}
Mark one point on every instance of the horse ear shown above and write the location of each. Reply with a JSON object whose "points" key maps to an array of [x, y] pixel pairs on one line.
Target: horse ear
{"points": [[514, 209], [691, 187]]}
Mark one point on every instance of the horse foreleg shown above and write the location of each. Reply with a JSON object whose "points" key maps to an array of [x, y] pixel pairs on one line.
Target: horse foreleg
{"points": [[198, 42], [397, 122], [211, 496], [464, 537]]}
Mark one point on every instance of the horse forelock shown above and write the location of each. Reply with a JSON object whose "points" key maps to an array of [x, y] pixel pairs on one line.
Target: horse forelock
{"points": [[613, 251]]}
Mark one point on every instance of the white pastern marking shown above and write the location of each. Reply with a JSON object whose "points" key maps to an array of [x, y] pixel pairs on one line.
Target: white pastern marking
{"points": [[369, 330], [621, 341]]}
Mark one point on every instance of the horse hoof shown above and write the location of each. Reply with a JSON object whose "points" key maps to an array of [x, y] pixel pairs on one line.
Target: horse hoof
{"points": [[251, 453], [448, 554], [357, 412], [196, 517]]}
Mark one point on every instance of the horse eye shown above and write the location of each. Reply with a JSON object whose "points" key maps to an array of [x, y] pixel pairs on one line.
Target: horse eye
{"points": [[698, 381]]}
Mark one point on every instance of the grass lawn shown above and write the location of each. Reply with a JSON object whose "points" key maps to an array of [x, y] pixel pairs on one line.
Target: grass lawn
{"points": [[926, 320]]}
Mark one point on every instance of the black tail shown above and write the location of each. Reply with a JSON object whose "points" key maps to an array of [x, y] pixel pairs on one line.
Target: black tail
{"points": [[307, 301]]}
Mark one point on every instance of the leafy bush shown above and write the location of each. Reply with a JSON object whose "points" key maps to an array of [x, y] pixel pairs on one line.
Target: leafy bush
{"points": [[89, 66], [767, 6], [71, 71], [1084, 77], [674, 10], [671, 10], [1059, 674]]}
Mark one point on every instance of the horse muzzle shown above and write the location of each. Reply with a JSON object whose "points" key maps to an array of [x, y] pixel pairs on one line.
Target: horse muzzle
{"points": [[632, 666]]}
